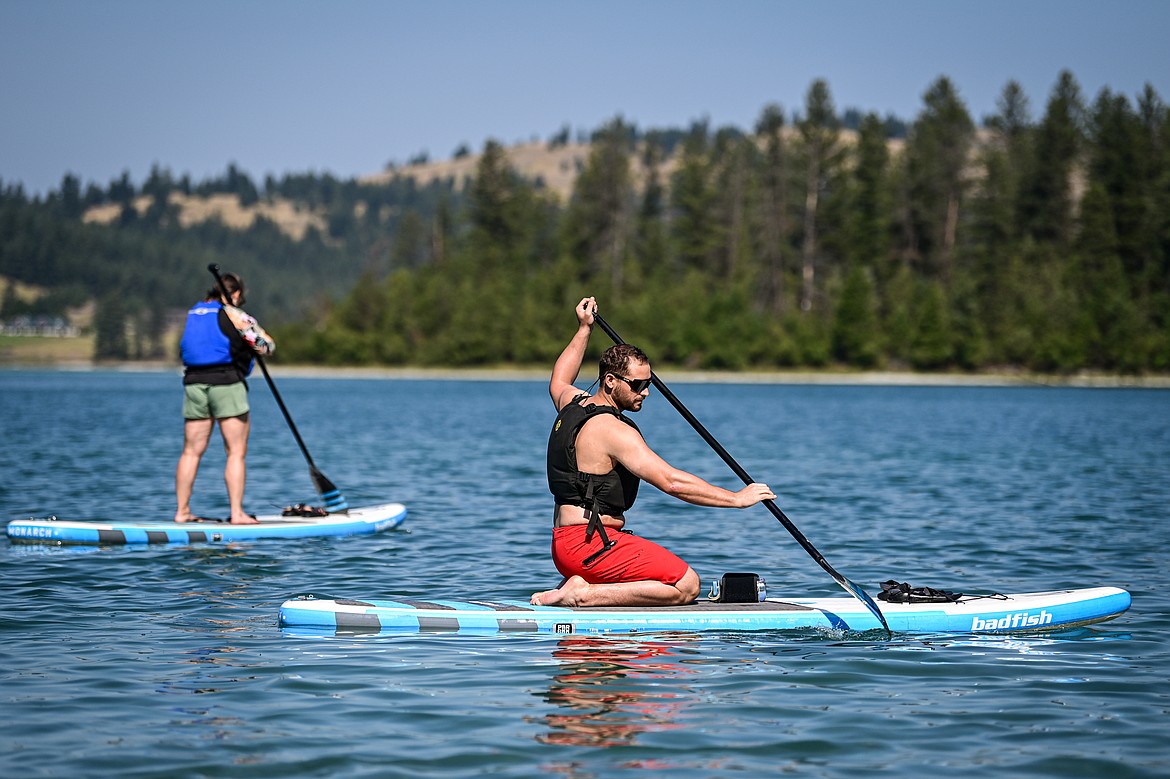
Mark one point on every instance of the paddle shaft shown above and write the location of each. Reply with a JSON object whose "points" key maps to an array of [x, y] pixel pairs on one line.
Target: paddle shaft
{"points": [[214, 268], [770, 504], [323, 485]]}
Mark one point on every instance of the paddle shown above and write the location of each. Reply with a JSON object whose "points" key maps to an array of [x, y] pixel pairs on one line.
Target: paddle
{"points": [[335, 502], [850, 587]]}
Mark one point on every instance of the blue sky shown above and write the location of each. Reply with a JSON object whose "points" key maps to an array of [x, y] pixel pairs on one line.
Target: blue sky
{"points": [[96, 88]]}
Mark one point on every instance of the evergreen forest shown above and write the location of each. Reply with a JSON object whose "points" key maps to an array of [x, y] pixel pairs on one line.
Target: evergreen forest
{"points": [[1036, 238]]}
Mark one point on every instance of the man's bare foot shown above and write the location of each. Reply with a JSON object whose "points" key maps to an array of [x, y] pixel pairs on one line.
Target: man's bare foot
{"points": [[184, 517], [568, 594], [245, 519]]}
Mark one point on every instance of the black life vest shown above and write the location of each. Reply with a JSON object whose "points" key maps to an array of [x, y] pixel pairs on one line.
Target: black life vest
{"points": [[611, 493]]}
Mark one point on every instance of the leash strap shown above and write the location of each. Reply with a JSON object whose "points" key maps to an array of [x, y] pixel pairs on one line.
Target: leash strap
{"points": [[595, 525]]}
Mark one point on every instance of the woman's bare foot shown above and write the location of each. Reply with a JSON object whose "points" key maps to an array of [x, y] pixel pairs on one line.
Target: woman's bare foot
{"points": [[570, 593], [245, 519]]}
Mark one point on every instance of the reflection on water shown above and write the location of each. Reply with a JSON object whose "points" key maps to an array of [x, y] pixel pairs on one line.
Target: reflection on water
{"points": [[609, 691]]}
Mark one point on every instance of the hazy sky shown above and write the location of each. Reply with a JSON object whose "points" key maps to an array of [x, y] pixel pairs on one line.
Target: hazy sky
{"points": [[98, 87]]}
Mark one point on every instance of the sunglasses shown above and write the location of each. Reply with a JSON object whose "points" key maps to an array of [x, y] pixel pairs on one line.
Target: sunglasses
{"points": [[635, 385]]}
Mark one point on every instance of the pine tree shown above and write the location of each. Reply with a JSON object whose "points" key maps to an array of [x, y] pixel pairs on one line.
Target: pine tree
{"points": [[932, 347], [1152, 241], [937, 155], [1005, 158], [868, 239], [855, 324], [1114, 142], [109, 321], [733, 158], [71, 205], [10, 304], [498, 207], [692, 194], [995, 224], [819, 132], [650, 246], [774, 205], [410, 243], [1047, 201], [599, 219]]}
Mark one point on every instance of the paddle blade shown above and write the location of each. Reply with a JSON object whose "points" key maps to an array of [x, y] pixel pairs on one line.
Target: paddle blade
{"points": [[863, 596], [335, 502]]}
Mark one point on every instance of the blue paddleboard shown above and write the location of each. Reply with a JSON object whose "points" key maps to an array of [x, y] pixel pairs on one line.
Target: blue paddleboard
{"points": [[1019, 613], [357, 521]]}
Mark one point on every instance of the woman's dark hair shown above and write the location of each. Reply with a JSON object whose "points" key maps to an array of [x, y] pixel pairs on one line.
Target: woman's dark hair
{"points": [[231, 282]]}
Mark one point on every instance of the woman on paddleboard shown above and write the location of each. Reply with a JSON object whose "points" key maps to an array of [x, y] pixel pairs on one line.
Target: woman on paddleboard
{"points": [[220, 341], [596, 459]]}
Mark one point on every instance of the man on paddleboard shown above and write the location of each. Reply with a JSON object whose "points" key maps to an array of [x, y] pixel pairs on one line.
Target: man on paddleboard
{"points": [[596, 459], [218, 347]]}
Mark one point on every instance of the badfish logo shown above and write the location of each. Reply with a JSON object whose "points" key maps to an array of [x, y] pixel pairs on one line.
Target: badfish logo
{"points": [[563, 627], [1021, 619]]}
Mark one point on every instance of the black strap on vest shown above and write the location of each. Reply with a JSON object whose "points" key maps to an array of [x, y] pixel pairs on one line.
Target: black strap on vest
{"points": [[595, 524]]}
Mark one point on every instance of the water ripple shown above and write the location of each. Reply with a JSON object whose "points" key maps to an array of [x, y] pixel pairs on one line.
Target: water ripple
{"points": [[168, 662]]}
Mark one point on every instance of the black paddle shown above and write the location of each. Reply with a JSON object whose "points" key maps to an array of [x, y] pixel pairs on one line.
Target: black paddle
{"points": [[853, 589], [335, 502]]}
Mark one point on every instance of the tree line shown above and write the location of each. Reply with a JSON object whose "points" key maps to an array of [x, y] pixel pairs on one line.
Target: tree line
{"points": [[815, 238], [1034, 243], [145, 268]]}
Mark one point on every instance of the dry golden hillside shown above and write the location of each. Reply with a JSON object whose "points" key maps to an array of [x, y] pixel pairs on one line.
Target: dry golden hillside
{"points": [[292, 219], [557, 167]]}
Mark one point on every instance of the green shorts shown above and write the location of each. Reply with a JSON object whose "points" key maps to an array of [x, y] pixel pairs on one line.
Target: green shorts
{"points": [[221, 401]]}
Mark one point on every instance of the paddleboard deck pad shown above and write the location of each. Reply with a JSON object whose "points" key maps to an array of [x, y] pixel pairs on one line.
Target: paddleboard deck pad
{"points": [[1019, 613], [358, 521]]}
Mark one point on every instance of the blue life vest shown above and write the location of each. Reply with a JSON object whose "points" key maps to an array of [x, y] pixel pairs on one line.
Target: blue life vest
{"points": [[211, 348], [204, 342]]}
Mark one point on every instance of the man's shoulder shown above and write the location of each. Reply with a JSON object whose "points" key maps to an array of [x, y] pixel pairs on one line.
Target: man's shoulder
{"points": [[610, 421], [569, 396]]}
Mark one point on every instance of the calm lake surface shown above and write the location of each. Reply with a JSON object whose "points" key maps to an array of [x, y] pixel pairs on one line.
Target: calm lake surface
{"points": [[168, 662]]}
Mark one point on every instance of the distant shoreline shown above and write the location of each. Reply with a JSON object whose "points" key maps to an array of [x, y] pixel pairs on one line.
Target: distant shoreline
{"points": [[681, 375]]}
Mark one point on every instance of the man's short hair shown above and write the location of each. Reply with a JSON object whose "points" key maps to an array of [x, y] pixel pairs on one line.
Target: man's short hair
{"points": [[617, 358]]}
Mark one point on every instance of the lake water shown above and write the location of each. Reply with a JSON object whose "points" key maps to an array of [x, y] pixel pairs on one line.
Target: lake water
{"points": [[168, 662]]}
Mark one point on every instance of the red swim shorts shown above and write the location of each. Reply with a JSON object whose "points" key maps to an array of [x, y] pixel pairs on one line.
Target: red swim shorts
{"points": [[632, 559]]}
